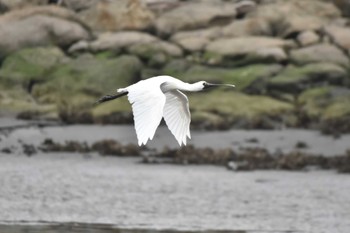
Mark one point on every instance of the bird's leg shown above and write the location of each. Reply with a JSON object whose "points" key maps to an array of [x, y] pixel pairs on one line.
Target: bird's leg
{"points": [[110, 97]]}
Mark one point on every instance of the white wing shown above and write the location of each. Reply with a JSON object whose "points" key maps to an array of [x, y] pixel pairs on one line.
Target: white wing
{"points": [[177, 115], [147, 107]]}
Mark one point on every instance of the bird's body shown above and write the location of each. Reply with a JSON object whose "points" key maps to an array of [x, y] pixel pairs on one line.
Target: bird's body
{"points": [[160, 97]]}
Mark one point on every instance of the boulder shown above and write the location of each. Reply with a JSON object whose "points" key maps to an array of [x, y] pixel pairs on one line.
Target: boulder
{"points": [[198, 15], [319, 53], [30, 65], [242, 46], [79, 5], [288, 18], [251, 79], [238, 110], [339, 36], [119, 40], [117, 15], [196, 40], [306, 38], [247, 27], [296, 79], [344, 6], [17, 4], [246, 50], [39, 26], [327, 107], [141, 43]]}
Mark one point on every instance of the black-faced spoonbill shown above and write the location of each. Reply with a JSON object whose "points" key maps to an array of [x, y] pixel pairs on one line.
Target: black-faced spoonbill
{"points": [[158, 97]]}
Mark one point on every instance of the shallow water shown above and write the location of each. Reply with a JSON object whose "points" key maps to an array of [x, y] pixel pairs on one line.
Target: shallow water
{"points": [[120, 191]]}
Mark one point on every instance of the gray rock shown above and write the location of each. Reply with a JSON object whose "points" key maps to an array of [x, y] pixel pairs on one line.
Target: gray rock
{"points": [[245, 6], [17, 4], [243, 46], [247, 27], [289, 17], [79, 5], [120, 40], [40, 26], [196, 40], [118, 15], [308, 38], [194, 16], [319, 53], [340, 36]]}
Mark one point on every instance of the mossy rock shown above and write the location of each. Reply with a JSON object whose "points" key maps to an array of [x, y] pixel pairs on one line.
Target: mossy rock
{"points": [[89, 76], [71, 88], [176, 67], [31, 64], [238, 109], [325, 105], [295, 79], [251, 79]]}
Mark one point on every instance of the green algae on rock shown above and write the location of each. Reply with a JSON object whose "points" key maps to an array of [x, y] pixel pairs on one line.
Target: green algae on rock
{"points": [[240, 110], [294, 79]]}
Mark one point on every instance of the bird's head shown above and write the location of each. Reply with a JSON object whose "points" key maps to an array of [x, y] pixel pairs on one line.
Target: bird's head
{"points": [[206, 85]]}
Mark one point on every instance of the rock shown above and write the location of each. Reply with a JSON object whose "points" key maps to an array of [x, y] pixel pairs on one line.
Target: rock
{"points": [[39, 26], [251, 79], [17, 4], [241, 111], [74, 86], [247, 27], [243, 46], [176, 67], [196, 40], [308, 38], [194, 16], [117, 15], [287, 18], [296, 79], [327, 107], [120, 40], [344, 6], [245, 6], [155, 53], [80, 46], [339, 36], [27, 66], [79, 5], [247, 49], [297, 24], [319, 53]]}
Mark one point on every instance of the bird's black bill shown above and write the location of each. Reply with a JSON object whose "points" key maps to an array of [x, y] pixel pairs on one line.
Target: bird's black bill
{"points": [[211, 85], [110, 97]]}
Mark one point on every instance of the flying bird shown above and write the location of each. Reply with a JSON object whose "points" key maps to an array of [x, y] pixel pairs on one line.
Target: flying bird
{"points": [[160, 97]]}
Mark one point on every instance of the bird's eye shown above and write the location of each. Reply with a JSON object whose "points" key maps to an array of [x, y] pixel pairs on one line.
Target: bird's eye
{"points": [[204, 84]]}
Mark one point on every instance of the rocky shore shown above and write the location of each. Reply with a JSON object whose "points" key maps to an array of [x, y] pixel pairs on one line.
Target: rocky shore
{"points": [[288, 59]]}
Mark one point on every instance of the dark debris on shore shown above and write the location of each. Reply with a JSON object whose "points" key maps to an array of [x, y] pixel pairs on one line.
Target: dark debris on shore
{"points": [[246, 159]]}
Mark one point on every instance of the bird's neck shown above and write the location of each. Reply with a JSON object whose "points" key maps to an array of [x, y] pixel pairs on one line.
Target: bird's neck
{"points": [[182, 86], [190, 87]]}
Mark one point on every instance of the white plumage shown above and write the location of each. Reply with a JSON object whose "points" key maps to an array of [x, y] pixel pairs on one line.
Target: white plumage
{"points": [[160, 97]]}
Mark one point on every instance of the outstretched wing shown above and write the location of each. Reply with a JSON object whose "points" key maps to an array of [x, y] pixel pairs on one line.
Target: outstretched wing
{"points": [[177, 115], [147, 107]]}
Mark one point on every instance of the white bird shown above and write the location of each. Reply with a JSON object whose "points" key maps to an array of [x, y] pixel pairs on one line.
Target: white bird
{"points": [[158, 97]]}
